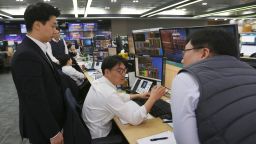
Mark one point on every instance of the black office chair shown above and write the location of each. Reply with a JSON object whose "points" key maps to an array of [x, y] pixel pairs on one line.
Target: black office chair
{"points": [[76, 131]]}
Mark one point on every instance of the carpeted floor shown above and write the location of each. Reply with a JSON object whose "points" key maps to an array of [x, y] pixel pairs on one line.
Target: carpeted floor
{"points": [[9, 112]]}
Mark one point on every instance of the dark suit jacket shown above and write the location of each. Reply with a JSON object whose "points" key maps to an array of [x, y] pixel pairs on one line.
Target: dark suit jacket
{"points": [[41, 106]]}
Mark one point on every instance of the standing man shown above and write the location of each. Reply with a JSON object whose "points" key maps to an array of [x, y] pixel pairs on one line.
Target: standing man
{"points": [[41, 107], [213, 96], [57, 46]]}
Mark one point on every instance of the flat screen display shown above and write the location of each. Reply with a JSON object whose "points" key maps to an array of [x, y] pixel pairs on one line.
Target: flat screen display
{"points": [[149, 67]]}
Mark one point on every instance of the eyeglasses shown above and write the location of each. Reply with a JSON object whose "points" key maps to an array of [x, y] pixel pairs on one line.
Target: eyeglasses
{"points": [[184, 50], [121, 71]]}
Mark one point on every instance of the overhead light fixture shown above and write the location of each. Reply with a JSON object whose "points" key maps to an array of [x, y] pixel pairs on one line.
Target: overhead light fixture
{"points": [[19, 0], [228, 10], [113, 1], [107, 8], [47, 0], [88, 5], [204, 4], [6, 16], [190, 3], [75, 8], [161, 9], [135, 1]]}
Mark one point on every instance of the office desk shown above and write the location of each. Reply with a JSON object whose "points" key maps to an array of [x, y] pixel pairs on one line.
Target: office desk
{"points": [[147, 128]]}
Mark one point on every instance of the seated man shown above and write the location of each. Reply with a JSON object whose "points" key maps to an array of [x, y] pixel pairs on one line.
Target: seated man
{"points": [[103, 102], [66, 64]]}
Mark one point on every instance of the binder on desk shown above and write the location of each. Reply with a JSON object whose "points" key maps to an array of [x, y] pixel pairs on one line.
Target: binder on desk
{"points": [[161, 138]]}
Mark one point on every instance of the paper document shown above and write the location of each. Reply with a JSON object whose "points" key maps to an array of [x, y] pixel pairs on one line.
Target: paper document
{"points": [[161, 138]]}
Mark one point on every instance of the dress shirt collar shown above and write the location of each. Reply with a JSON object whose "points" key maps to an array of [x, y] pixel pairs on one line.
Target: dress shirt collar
{"points": [[55, 40], [43, 46], [109, 82]]}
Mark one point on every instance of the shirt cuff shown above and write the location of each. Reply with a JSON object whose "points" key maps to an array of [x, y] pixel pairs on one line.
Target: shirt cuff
{"points": [[54, 136]]}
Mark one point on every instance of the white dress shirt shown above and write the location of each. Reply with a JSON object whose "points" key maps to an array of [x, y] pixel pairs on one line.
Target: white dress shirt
{"points": [[77, 76], [103, 102], [185, 97], [43, 46], [49, 51]]}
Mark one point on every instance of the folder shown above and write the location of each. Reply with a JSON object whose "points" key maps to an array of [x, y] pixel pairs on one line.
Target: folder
{"points": [[169, 140]]}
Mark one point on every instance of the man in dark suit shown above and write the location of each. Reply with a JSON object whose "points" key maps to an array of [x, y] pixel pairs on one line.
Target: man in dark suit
{"points": [[40, 99]]}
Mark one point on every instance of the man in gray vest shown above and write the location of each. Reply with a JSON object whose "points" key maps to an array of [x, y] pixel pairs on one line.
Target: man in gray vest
{"points": [[214, 95], [56, 47]]}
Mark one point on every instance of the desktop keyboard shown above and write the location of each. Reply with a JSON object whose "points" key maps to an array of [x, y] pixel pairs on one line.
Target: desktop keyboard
{"points": [[160, 109]]}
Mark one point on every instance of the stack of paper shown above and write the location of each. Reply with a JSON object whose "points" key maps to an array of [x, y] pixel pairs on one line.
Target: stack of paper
{"points": [[161, 138]]}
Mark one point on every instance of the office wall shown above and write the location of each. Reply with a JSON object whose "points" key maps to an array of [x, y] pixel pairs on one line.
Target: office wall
{"points": [[125, 26]]}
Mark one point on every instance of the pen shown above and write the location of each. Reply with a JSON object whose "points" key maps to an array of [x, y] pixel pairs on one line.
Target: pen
{"points": [[160, 138]]}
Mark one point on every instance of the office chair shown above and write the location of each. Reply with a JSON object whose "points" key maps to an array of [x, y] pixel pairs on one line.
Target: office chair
{"points": [[76, 131]]}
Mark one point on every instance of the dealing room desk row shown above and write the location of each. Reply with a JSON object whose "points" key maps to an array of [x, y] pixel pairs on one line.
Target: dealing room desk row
{"points": [[147, 128]]}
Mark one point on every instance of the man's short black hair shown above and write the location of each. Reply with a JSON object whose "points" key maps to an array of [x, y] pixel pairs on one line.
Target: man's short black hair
{"points": [[218, 41], [111, 61], [39, 12], [63, 59]]}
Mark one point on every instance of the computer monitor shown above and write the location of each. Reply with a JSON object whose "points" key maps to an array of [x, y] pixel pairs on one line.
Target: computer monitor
{"points": [[248, 44], [149, 67], [87, 42], [147, 43], [23, 28], [174, 40]]}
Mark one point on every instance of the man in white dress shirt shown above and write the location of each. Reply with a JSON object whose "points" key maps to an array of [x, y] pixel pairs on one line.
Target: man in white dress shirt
{"points": [[208, 106], [103, 102]]}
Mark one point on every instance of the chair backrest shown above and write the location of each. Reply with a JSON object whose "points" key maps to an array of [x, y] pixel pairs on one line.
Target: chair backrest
{"points": [[75, 130], [68, 82]]}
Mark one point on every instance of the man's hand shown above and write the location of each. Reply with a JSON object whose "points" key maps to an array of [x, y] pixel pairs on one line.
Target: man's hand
{"points": [[144, 95], [58, 139]]}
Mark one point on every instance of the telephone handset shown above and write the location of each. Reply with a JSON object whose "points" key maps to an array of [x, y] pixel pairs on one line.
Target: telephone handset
{"points": [[141, 85]]}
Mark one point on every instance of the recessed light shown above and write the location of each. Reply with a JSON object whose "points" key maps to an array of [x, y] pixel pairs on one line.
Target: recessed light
{"points": [[113, 1], [19, 0], [204, 3], [135, 1]]}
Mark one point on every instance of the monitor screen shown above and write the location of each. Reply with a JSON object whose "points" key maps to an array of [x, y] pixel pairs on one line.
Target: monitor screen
{"points": [[174, 40], [90, 26], [87, 42], [1, 29], [23, 28], [147, 43], [75, 27], [149, 67], [75, 35], [248, 38], [14, 37]]}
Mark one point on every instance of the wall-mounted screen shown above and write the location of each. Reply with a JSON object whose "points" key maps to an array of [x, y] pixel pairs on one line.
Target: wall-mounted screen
{"points": [[23, 28], [90, 26], [74, 27]]}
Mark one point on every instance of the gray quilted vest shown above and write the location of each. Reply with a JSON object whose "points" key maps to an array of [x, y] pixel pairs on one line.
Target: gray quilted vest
{"points": [[226, 111]]}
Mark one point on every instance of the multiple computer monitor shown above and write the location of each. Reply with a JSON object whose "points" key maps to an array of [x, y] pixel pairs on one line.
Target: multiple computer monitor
{"points": [[173, 41]]}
